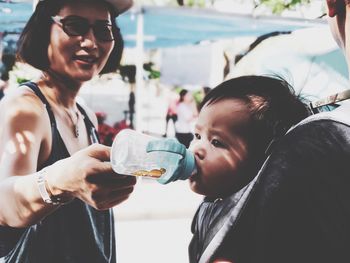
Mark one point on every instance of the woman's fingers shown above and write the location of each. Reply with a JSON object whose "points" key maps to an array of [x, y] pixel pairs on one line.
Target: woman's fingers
{"points": [[99, 151], [112, 179], [106, 200], [88, 176]]}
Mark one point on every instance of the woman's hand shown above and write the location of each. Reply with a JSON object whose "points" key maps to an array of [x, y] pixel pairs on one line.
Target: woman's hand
{"points": [[88, 175]]}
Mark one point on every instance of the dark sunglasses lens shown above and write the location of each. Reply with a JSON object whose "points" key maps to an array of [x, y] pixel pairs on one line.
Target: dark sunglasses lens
{"points": [[76, 27], [103, 32]]}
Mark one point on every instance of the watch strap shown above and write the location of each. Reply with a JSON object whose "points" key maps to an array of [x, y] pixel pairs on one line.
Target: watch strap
{"points": [[46, 195], [41, 181]]}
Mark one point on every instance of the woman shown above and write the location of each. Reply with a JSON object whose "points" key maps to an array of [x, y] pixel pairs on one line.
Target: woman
{"points": [[186, 114], [56, 191]]}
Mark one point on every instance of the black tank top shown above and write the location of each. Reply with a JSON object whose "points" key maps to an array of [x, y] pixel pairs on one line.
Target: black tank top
{"points": [[75, 232]]}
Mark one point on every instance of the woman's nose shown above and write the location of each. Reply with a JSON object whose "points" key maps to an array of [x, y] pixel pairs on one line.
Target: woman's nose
{"points": [[89, 40]]}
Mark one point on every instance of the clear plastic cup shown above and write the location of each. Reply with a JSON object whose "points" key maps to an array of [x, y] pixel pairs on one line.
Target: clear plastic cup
{"points": [[138, 154]]}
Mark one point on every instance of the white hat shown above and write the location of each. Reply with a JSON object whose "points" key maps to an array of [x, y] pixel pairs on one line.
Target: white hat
{"points": [[120, 6]]}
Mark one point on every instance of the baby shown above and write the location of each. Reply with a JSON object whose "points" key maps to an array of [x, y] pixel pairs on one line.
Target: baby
{"points": [[239, 122]]}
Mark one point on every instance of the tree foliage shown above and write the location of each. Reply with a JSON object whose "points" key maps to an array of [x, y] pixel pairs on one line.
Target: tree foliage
{"points": [[278, 6]]}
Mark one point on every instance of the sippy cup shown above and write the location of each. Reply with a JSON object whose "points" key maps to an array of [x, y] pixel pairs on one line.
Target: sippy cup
{"points": [[138, 154]]}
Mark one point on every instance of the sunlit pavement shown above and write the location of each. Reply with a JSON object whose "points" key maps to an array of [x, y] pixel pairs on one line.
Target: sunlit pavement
{"points": [[153, 241], [153, 226]]}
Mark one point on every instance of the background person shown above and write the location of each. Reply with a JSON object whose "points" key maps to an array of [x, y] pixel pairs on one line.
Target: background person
{"points": [[56, 191], [186, 114], [171, 114]]}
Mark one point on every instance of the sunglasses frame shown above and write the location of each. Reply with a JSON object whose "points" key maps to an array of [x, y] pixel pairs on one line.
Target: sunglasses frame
{"points": [[61, 22]]}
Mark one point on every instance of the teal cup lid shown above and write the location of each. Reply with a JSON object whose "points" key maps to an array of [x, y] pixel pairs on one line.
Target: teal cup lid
{"points": [[185, 165]]}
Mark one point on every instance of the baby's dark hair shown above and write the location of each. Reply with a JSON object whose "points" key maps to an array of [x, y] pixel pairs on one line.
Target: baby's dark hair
{"points": [[272, 101]]}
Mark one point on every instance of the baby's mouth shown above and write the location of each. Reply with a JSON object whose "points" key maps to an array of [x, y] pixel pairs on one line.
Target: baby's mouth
{"points": [[194, 176]]}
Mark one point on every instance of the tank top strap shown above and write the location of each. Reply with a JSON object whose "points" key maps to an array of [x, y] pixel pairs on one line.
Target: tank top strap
{"points": [[89, 126], [88, 123], [34, 87]]}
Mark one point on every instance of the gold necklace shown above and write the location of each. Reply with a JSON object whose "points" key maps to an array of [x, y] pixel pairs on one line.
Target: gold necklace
{"points": [[75, 123]]}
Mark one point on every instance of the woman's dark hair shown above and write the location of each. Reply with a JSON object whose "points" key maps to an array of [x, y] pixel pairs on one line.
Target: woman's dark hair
{"points": [[5, 76], [34, 40], [273, 104], [182, 94]]}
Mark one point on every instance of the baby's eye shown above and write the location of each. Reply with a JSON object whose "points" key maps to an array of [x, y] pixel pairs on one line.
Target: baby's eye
{"points": [[197, 136], [217, 143]]}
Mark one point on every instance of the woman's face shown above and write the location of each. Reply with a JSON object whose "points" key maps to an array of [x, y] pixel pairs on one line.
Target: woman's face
{"points": [[220, 148], [79, 58], [188, 97]]}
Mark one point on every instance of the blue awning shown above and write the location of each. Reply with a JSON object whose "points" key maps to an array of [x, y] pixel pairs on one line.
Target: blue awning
{"points": [[169, 27]]}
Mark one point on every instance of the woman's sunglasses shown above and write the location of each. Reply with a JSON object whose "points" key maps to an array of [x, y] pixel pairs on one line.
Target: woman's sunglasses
{"points": [[80, 26]]}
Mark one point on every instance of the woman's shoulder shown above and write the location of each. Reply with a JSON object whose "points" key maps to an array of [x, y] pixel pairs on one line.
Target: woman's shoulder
{"points": [[21, 105]]}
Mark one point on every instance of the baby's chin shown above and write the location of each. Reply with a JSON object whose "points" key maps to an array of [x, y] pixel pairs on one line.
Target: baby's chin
{"points": [[194, 180], [195, 185], [193, 177]]}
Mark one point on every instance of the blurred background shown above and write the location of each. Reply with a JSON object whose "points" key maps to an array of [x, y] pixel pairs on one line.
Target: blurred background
{"points": [[186, 44]]}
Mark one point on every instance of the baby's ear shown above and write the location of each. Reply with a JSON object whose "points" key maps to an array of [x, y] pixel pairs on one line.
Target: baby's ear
{"points": [[335, 7]]}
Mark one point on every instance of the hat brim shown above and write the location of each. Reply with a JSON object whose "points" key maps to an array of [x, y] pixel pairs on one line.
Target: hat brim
{"points": [[121, 6]]}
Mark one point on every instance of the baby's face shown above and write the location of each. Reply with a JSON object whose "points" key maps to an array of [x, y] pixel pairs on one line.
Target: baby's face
{"points": [[220, 148]]}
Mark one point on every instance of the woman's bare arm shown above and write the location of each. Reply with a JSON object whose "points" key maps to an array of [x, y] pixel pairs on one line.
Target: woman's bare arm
{"points": [[23, 141]]}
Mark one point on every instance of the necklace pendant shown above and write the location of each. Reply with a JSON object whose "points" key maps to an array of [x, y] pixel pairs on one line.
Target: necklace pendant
{"points": [[76, 131]]}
